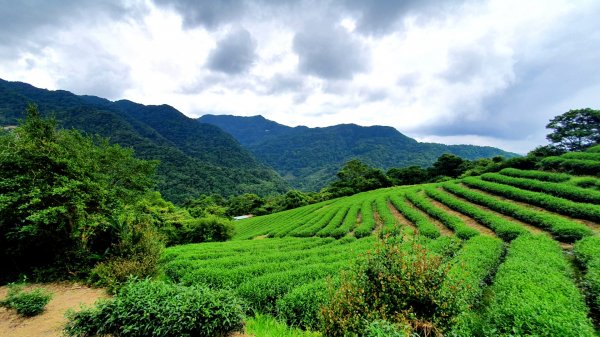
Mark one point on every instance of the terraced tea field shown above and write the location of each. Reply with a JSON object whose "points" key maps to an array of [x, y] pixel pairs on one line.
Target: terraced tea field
{"points": [[528, 240]]}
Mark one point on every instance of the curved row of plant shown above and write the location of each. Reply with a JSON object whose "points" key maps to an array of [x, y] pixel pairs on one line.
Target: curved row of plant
{"points": [[537, 175], [533, 293], [421, 221], [587, 253], [561, 190], [563, 229], [455, 223], [505, 229]]}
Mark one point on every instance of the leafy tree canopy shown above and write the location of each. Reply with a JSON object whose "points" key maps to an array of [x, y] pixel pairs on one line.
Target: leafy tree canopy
{"points": [[575, 130], [64, 196]]}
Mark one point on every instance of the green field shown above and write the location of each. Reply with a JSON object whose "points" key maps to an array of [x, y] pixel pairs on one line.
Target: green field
{"points": [[525, 242]]}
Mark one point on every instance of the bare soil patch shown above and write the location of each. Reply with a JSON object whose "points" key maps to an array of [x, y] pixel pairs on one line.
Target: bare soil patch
{"points": [[50, 323]]}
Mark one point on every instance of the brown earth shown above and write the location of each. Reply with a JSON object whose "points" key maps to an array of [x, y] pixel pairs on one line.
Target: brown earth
{"points": [[50, 323]]}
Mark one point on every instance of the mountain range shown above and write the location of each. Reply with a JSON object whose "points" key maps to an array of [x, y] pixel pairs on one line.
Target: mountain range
{"points": [[308, 158], [194, 157], [227, 155]]}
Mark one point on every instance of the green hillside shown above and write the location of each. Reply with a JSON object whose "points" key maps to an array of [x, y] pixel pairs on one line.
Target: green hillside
{"points": [[308, 158], [509, 237], [194, 158]]}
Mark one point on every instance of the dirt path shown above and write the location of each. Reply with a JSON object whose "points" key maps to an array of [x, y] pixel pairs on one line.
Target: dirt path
{"points": [[467, 220], [48, 324]]}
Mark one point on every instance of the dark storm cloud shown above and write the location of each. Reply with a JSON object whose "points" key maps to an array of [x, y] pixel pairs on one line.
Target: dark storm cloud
{"points": [[234, 54], [329, 52], [27, 24], [207, 13], [380, 17], [285, 83]]}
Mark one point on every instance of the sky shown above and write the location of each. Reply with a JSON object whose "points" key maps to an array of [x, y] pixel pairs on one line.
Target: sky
{"points": [[487, 72]]}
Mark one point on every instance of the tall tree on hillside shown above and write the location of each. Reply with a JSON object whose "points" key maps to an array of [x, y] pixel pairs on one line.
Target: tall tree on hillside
{"points": [[357, 176], [575, 130]]}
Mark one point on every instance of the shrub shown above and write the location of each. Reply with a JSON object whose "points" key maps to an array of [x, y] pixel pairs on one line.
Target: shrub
{"points": [[136, 256], [534, 294], [383, 328], [397, 282], [537, 175], [26, 303], [587, 253], [301, 307], [150, 308], [209, 229]]}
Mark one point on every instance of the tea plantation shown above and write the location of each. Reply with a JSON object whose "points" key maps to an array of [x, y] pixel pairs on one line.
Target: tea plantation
{"points": [[524, 245]]}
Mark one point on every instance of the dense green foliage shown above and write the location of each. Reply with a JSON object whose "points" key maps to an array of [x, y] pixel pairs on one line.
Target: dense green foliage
{"points": [[563, 229], [572, 166], [451, 221], [575, 130], [194, 158], [563, 206], [64, 199], [566, 191], [308, 158], [533, 293], [503, 228], [537, 175], [587, 252], [152, 308], [26, 303], [401, 283]]}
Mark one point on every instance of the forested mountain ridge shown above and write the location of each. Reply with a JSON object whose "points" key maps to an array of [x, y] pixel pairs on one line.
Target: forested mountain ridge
{"points": [[308, 158], [194, 158]]}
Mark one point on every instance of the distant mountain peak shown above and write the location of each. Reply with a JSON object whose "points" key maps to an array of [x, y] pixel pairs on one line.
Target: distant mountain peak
{"points": [[310, 157]]}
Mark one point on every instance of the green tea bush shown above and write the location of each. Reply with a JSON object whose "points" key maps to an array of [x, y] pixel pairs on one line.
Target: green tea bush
{"points": [[348, 224], [573, 166], [582, 155], [505, 229], [423, 224], [368, 221], [383, 328], [26, 303], [533, 293], [563, 229], [401, 283], [302, 306], [587, 253], [562, 190], [537, 175], [150, 308], [137, 255], [455, 223], [586, 182]]}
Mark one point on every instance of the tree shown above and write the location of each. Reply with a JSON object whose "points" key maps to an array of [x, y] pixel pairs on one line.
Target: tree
{"points": [[408, 175], [448, 165], [575, 130], [357, 176], [64, 197]]}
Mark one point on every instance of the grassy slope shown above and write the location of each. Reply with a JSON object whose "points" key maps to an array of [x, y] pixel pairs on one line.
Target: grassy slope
{"points": [[292, 230]]}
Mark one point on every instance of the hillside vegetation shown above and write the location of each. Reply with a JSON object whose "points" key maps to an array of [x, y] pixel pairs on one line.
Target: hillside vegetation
{"points": [[497, 233], [194, 158], [308, 158]]}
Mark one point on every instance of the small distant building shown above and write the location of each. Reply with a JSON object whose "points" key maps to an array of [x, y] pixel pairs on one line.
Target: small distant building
{"points": [[241, 217]]}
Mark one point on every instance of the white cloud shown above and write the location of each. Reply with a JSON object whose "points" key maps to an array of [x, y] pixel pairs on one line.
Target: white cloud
{"points": [[489, 72]]}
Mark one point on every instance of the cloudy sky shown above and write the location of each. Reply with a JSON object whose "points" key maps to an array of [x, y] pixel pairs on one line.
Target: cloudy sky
{"points": [[480, 72]]}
